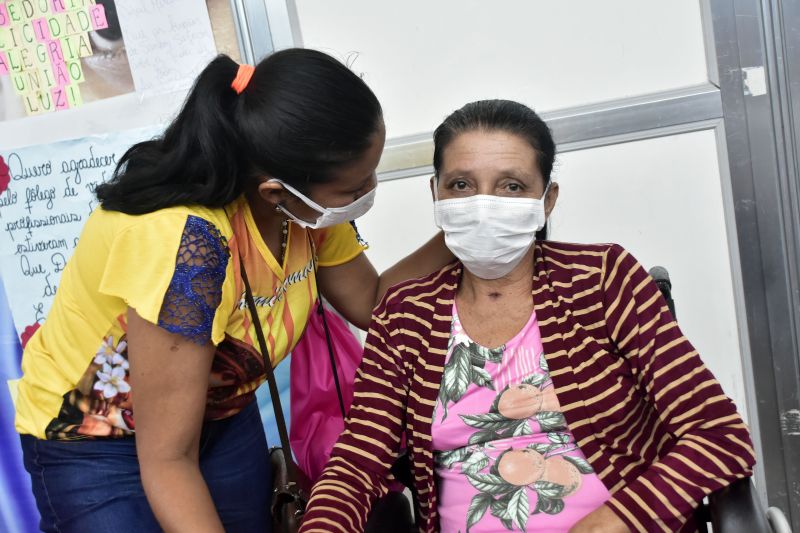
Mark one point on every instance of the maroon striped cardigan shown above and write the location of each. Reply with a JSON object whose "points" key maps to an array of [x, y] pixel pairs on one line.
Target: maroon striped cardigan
{"points": [[650, 418]]}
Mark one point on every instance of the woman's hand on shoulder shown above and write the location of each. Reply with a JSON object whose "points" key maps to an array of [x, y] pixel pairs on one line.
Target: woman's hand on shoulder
{"points": [[355, 288], [601, 520], [351, 289]]}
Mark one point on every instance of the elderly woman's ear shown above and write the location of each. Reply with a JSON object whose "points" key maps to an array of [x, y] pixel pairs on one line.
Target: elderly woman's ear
{"points": [[550, 200]]}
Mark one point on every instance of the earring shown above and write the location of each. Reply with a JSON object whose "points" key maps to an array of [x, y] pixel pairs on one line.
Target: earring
{"points": [[277, 207]]}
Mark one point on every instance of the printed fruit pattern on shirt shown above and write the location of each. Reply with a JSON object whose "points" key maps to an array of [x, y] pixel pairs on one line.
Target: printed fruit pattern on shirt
{"points": [[505, 458]]}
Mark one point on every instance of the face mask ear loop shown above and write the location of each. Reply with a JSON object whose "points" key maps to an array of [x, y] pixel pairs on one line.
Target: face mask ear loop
{"points": [[435, 187], [546, 190], [302, 197]]}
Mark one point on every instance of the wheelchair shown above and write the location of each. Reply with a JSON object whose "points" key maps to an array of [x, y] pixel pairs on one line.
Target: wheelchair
{"points": [[733, 509]]}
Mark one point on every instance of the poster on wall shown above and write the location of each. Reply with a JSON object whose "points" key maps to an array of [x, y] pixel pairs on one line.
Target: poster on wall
{"points": [[60, 54], [168, 43], [47, 195]]}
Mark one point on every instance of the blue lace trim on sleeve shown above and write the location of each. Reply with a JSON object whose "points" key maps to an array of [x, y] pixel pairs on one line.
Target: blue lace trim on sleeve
{"points": [[195, 291]]}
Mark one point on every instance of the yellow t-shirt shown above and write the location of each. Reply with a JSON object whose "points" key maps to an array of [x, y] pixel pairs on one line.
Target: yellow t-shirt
{"points": [[178, 268]]}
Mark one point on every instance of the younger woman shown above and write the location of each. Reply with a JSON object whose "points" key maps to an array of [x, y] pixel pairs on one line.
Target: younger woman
{"points": [[264, 167]]}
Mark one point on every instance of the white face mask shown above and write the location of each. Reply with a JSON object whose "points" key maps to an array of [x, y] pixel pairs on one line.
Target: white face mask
{"points": [[490, 234], [329, 216]]}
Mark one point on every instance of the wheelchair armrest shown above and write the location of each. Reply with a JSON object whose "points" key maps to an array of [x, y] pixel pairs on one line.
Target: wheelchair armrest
{"points": [[736, 508]]}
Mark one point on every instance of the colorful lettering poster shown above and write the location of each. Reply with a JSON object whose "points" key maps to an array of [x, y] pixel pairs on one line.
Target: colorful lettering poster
{"points": [[46, 195], [59, 54]]}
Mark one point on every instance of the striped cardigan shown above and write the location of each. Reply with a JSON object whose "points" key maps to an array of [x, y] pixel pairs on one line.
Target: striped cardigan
{"points": [[650, 418]]}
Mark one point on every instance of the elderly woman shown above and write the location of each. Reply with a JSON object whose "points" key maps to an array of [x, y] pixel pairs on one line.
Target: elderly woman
{"points": [[541, 386]]}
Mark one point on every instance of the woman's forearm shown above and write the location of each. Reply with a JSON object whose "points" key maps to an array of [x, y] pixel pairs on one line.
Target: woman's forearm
{"points": [[179, 496], [430, 257], [170, 376]]}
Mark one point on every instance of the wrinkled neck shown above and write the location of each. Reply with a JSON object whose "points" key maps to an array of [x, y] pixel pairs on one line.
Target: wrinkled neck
{"points": [[517, 284]]}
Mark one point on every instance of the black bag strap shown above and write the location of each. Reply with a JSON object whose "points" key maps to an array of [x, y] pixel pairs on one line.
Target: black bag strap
{"points": [[328, 340], [401, 469], [321, 311], [273, 386]]}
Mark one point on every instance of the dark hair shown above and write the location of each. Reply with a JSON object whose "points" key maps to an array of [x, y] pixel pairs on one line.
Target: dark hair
{"points": [[499, 115], [302, 115]]}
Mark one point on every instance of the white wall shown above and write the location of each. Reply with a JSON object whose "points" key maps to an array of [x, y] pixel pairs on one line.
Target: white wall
{"points": [[425, 58]]}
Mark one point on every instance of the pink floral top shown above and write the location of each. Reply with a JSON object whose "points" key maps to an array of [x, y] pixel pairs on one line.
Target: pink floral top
{"points": [[505, 458]]}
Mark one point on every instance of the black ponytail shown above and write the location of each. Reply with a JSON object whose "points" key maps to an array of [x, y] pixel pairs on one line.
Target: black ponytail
{"points": [[302, 115]]}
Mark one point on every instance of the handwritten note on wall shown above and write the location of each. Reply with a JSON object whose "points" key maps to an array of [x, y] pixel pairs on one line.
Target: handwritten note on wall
{"points": [[41, 46], [169, 42], [48, 193]]}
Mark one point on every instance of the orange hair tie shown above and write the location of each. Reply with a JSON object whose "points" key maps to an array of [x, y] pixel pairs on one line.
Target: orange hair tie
{"points": [[243, 76]]}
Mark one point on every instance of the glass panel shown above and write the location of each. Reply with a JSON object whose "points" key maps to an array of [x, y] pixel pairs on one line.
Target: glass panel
{"points": [[425, 59]]}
